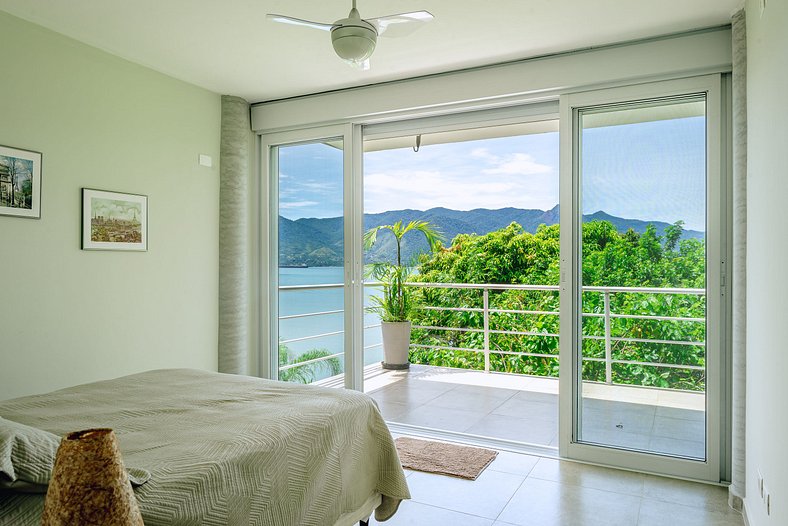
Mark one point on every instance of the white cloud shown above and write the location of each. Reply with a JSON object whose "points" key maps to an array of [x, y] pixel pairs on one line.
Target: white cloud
{"points": [[520, 172], [321, 185], [425, 189], [516, 164], [462, 176], [297, 204], [482, 153]]}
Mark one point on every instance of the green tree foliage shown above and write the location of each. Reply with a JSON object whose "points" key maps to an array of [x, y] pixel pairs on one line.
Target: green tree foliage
{"points": [[306, 373], [610, 258]]}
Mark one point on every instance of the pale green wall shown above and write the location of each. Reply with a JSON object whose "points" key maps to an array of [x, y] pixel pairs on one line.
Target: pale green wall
{"points": [[69, 316], [767, 252]]}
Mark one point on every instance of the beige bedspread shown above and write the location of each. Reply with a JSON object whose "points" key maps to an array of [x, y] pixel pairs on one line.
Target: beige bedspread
{"points": [[228, 450]]}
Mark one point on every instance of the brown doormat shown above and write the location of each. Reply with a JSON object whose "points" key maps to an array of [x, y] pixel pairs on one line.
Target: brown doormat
{"points": [[447, 459]]}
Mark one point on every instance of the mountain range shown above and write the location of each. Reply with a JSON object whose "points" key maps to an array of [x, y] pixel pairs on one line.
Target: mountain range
{"points": [[319, 241]]}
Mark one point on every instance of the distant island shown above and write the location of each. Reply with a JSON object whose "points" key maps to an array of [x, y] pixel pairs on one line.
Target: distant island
{"points": [[317, 242]]}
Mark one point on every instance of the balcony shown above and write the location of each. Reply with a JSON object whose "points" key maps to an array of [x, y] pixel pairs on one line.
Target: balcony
{"points": [[522, 408], [485, 403]]}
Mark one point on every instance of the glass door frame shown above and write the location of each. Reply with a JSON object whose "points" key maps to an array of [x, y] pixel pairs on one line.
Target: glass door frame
{"points": [[716, 88], [717, 431], [268, 319]]}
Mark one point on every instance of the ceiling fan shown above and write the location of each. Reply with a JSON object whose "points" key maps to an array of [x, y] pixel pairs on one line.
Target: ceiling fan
{"points": [[354, 38]]}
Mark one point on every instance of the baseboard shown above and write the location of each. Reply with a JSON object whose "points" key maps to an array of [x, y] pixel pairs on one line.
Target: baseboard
{"points": [[744, 513], [734, 501]]}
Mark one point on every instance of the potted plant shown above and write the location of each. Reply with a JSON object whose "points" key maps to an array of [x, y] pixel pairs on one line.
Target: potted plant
{"points": [[397, 302]]}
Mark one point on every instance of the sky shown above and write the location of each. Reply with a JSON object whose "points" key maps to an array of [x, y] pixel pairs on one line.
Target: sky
{"points": [[310, 181], [520, 172], [650, 171]]}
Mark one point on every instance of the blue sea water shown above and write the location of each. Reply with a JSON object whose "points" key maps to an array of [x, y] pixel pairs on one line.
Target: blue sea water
{"points": [[295, 302]]}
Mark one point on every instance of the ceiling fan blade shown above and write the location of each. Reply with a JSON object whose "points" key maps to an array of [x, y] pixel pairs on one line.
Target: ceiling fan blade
{"points": [[402, 24], [298, 22]]}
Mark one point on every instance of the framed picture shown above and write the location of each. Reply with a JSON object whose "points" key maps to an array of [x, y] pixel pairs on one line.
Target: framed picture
{"points": [[114, 221], [20, 183]]}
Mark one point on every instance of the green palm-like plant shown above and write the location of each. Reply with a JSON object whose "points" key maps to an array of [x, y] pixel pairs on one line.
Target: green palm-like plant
{"points": [[397, 301], [306, 373]]}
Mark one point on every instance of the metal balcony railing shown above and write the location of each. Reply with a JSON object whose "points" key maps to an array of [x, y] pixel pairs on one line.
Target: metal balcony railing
{"points": [[326, 286], [486, 310]]}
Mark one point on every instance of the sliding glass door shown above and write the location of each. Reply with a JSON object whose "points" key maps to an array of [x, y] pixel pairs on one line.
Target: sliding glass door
{"points": [[642, 280], [309, 281]]}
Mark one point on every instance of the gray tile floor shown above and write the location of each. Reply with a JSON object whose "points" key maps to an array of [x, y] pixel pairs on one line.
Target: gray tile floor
{"points": [[645, 427], [488, 411], [532, 417], [525, 490]]}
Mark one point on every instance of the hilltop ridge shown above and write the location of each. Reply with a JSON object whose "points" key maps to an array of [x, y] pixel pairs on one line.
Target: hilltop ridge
{"points": [[319, 241]]}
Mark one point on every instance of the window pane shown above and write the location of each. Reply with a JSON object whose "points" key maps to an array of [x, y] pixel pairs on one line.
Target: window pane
{"points": [[643, 201], [311, 255]]}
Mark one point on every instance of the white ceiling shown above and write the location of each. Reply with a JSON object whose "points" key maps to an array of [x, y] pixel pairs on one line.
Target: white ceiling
{"points": [[228, 47]]}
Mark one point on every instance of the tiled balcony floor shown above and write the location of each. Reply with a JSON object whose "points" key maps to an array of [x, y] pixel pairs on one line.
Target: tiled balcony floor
{"points": [[525, 409]]}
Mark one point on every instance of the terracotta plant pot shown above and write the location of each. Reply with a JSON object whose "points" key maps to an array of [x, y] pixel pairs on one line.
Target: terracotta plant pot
{"points": [[396, 342]]}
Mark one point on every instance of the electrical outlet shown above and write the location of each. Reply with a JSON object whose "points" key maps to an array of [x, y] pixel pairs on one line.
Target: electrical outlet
{"points": [[768, 504]]}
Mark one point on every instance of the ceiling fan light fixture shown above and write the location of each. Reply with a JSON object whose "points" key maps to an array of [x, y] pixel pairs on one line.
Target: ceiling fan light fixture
{"points": [[354, 39]]}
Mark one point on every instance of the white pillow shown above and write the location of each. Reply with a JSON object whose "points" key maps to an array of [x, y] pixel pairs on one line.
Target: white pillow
{"points": [[27, 456]]}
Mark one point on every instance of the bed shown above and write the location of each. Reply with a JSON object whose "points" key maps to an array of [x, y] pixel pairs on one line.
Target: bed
{"points": [[229, 450]]}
